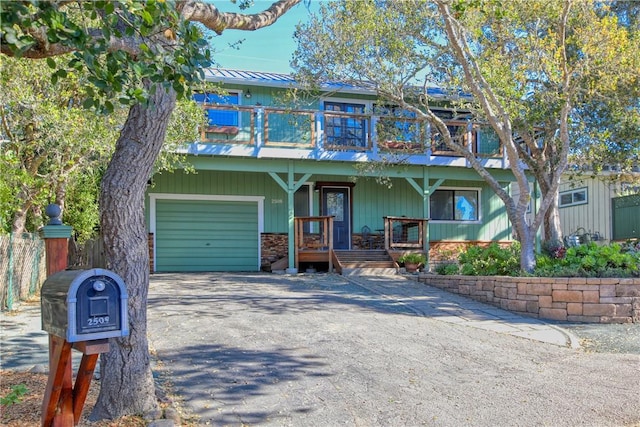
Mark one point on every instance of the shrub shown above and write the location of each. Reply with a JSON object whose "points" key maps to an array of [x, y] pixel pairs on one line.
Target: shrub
{"points": [[447, 269], [493, 260], [554, 249], [591, 260], [588, 260]]}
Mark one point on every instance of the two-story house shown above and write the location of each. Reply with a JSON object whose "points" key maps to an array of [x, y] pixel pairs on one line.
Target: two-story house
{"points": [[309, 183]]}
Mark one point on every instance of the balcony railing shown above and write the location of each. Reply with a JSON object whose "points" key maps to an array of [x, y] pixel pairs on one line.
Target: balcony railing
{"points": [[337, 131]]}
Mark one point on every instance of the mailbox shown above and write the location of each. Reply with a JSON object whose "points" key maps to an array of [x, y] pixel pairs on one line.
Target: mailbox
{"points": [[84, 305]]}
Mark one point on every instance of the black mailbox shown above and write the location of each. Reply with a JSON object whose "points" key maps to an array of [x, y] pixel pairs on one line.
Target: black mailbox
{"points": [[84, 305]]}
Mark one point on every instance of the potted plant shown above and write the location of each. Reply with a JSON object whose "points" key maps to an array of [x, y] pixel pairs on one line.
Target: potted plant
{"points": [[412, 261]]}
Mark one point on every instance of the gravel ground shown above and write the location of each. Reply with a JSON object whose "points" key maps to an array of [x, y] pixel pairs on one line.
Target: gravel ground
{"points": [[599, 338]]}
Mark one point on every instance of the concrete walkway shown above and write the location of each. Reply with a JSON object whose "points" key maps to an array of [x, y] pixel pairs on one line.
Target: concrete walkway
{"points": [[451, 308]]}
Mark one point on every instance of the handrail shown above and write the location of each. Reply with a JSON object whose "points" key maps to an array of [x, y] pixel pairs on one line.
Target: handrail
{"points": [[303, 132], [320, 242], [398, 233]]}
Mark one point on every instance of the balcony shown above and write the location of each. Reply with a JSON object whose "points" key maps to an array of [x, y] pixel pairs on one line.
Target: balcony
{"points": [[269, 132]]}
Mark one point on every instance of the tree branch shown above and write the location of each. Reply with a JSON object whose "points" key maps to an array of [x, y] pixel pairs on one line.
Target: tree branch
{"points": [[209, 15]]}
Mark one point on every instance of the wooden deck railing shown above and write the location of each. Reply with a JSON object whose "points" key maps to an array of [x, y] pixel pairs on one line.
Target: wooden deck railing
{"points": [[402, 233], [315, 245], [293, 128]]}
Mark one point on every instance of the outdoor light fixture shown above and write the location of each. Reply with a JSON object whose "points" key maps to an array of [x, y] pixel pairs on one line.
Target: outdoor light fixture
{"points": [[247, 94]]}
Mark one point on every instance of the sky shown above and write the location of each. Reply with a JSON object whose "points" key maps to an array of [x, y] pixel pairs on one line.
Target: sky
{"points": [[267, 49]]}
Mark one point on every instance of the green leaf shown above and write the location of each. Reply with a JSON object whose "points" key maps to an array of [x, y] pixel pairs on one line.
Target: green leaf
{"points": [[148, 19], [51, 63]]}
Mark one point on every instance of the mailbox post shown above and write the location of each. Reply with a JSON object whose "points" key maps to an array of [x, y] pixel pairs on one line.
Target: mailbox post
{"points": [[56, 237], [81, 309]]}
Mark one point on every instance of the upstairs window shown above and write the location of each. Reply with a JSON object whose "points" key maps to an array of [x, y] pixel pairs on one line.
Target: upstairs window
{"points": [[573, 197], [216, 116], [455, 205], [346, 130]]}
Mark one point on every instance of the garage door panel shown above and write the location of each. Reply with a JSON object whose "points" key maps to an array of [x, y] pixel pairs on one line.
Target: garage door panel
{"points": [[206, 235], [203, 236]]}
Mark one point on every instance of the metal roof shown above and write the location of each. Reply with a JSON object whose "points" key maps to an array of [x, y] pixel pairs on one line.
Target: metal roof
{"points": [[240, 76], [259, 78]]}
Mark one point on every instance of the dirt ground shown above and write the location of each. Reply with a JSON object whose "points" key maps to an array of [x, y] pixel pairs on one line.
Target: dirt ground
{"points": [[26, 412]]}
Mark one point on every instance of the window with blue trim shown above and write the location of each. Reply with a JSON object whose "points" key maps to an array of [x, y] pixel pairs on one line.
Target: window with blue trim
{"points": [[218, 117]]}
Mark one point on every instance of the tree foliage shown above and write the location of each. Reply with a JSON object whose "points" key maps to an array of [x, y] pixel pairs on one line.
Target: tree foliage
{"points": [[529, 66], [55, 150], [49, 139], [118, 45]]}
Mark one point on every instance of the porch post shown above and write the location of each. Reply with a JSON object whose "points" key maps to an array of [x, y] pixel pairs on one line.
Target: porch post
{"points": [[291, 186], [291, 216], [426, 210]]}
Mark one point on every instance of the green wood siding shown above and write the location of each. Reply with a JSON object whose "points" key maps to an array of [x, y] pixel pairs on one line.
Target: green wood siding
{"points": [[371, 201], [200, 235]]}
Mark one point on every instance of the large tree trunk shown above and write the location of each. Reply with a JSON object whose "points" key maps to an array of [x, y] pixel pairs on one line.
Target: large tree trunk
{"points": [[552, 226], [525, 234], [528, 251], [127, 383]]}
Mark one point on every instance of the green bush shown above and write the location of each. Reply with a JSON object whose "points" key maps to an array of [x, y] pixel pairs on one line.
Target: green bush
{"points": [[447, 269], [591, 260], [493, 260]]}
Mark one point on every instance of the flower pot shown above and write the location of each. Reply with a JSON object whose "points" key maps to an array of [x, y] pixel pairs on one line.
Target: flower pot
{"points": [[411, 267]]}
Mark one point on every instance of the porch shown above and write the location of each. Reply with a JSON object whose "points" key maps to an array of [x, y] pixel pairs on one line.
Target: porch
{"points": [[314, 243]]}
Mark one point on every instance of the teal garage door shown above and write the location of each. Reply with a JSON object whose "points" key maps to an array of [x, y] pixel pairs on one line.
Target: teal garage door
{"points": [[204, 235]]}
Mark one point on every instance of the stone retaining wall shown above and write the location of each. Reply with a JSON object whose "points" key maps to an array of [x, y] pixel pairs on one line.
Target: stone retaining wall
{"points": [[569, 299]]}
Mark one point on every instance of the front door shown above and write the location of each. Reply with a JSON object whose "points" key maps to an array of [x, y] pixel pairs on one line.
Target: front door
{"points": [[336, 203]]}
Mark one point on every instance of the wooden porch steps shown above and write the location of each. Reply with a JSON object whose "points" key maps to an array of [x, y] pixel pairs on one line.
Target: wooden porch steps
{"points": [[364, 262]]}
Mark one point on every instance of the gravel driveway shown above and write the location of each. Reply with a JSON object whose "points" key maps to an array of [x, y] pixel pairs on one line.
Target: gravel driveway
{"points": [[263, 349]]}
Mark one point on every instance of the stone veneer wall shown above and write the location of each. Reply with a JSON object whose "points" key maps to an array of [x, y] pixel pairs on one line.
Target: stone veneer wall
{"points": [[274, 247], [572, 299], [150, 244]]}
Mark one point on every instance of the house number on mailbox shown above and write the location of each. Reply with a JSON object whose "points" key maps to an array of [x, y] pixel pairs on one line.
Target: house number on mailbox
{"points": [[98, 321]]}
